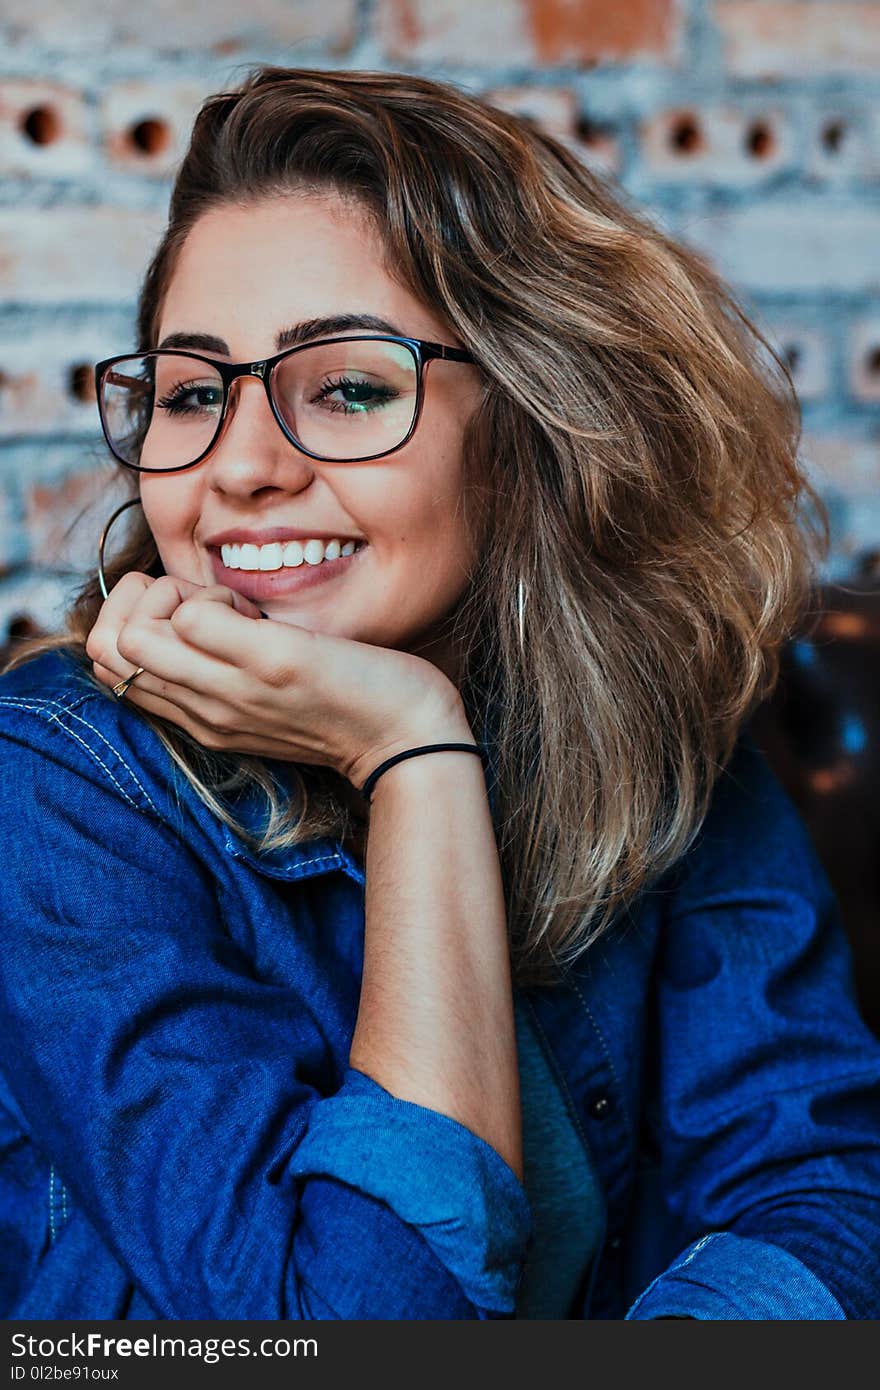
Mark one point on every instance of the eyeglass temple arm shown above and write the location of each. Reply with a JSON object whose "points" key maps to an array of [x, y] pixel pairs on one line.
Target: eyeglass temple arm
{"points": [[117, 379], [441, 350]]}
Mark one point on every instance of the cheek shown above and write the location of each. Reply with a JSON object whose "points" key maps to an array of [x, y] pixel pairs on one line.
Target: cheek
{"points": [[433, 561], [172, 514], [171, 511]]}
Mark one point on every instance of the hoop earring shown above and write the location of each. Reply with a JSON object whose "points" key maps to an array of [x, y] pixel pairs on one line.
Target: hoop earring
{"points": [[102, 578]]}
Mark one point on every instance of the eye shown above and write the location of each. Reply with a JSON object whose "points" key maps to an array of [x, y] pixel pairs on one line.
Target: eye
{"points": [[191, 398], [359, 396]]}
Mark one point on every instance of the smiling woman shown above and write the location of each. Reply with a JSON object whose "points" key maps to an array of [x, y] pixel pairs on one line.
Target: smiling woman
{"points": [[440, 450], [353, 400]]}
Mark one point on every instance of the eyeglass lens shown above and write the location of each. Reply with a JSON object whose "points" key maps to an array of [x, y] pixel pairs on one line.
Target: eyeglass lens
{"points": [[341, 400]]}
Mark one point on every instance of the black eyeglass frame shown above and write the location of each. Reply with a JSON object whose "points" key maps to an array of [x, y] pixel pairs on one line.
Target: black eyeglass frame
{"points": [[422, 351]]}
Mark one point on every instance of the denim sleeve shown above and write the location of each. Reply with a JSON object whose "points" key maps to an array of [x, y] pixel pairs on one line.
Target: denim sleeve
{"points": [[723, 1276], [765, 1109], [175, 1090]]}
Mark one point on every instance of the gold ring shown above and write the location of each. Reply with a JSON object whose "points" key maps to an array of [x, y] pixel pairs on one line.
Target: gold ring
{"points": [[121, 686]]}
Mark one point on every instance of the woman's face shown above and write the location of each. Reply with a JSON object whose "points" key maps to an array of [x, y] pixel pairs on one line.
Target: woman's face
{"points": [[244, 276]]}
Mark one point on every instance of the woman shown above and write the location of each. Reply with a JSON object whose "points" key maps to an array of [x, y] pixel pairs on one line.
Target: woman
{"points": [[440, 450]]}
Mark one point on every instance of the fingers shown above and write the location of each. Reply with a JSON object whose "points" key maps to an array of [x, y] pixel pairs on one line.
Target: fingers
{"points": [[115, 609], [155, 623], [221, 630], [203, 654], [162, 634]]}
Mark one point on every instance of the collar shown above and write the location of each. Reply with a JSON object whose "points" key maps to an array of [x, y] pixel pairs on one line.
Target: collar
{"points": [[305, 860], [311, 857]]}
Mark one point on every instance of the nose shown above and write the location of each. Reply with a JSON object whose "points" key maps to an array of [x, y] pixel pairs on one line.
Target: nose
{"points": [[252, 452]]}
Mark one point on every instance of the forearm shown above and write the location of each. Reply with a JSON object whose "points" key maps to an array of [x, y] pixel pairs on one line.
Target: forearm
{"points": [[435, 1024]]}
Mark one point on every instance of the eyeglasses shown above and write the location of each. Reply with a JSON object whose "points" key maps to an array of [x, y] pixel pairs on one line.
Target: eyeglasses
{"points": [[341, 400]]}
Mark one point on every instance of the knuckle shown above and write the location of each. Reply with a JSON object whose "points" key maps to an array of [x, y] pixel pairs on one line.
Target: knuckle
{"points": [[185, 616], [216, 718], [277, 674], [130, 641], [132, 579]]}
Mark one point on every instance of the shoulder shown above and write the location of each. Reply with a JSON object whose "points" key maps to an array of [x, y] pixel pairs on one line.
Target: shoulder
{"points": [[752, 835], [56, 719]]}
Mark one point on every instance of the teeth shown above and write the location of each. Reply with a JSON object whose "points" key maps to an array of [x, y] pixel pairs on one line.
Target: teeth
{"points": [[269, 556], [276, 555]]}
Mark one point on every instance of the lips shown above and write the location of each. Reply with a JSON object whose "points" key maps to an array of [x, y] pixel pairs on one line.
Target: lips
{"points": [[241, 535], [266, 584]]}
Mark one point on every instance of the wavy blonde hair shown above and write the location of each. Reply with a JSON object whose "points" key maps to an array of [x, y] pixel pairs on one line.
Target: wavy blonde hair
{"points": [[646, 539]]}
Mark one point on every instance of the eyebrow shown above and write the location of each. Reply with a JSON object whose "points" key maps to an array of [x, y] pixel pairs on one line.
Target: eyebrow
{"points": [[289, 337]]}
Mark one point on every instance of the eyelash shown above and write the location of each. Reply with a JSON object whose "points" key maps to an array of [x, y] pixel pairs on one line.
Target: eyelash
{"points": [[173, 400], [383, 394]]}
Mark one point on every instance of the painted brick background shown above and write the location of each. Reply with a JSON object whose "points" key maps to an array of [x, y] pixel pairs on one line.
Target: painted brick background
{"points": [[750, 127]]}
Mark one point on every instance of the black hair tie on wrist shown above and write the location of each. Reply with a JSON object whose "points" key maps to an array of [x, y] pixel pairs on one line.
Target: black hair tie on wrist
{"points": [[366, 790]]}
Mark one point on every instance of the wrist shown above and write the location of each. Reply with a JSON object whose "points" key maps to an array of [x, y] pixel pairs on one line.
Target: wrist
{"points": [[450, 730], [422, 774]]}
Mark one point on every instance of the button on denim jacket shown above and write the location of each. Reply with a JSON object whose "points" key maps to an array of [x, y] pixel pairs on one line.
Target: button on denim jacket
{"points": [[181, 1135]]}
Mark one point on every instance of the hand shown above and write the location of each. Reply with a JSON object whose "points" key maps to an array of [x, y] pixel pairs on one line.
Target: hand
{"points": [[270, 689]]}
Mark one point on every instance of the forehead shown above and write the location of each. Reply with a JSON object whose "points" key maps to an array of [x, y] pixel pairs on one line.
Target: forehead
{"points": [[261, 266], [301, 224]]}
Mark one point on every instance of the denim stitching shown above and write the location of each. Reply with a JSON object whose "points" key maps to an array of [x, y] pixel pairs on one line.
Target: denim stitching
{"points": [[57, 1197], [696, 1250], [605, 1052], [41, 707], [115, 750], [56, 718], [245, 852], [678, 1263]]}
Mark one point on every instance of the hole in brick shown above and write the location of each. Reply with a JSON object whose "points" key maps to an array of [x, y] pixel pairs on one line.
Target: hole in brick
{"points": [[760, 141], [685, 136], [24, 626], [150, 136], [872, 360], [833, 136], [589, 132], [81, 382], [869, 564], [41, 125]]}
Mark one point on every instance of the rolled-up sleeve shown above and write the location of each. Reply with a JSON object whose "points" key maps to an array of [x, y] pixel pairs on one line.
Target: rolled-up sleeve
{"points": [[176, 1091], [723, 1276], [461, 1194]]}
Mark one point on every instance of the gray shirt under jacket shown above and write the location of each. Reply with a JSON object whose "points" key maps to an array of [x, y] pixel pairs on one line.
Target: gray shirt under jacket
{"points": [[562, 1188]]}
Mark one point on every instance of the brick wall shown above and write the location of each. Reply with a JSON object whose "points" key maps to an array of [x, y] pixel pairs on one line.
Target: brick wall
{"points": [[751, 127]]}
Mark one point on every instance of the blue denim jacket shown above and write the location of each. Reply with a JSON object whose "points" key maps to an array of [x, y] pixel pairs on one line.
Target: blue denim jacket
{"points": [[181, 1135]]}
